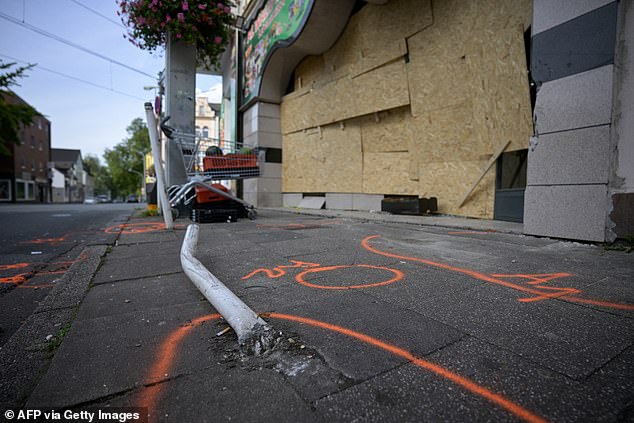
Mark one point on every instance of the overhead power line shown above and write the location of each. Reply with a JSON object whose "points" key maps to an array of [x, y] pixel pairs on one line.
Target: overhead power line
{"points": [[74, 78], [70, 43], [78, 3]]}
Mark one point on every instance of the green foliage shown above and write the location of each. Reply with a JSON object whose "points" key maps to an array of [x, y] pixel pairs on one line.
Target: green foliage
{"points": [[203, 24], [100, 173], [12, 116], [125, 160]]}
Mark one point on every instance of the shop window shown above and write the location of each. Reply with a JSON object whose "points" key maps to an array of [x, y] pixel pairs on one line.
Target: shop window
{"points": [[511, 170], [205, 132], [5, 190], [20, 190]]}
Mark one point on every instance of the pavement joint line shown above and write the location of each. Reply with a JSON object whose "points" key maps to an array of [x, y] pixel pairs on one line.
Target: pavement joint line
{"points": [[254, 334], [133, 279], [382, 217], [607, 362]]}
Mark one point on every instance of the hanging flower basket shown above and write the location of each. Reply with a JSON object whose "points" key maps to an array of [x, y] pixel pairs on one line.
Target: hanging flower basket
{"points": [[204, 24]]}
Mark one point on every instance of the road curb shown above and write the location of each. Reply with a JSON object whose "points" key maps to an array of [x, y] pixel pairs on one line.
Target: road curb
{"points": [[24, 357]]}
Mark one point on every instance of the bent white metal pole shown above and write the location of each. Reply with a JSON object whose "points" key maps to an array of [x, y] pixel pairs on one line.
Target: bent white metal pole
{"points": [[158, 166], [253, 332]]}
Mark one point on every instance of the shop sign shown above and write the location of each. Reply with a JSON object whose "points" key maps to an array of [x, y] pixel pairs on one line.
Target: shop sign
{"points": [[276, 25]]}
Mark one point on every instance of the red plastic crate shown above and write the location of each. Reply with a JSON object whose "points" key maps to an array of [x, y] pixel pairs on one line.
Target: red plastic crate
{"points": [[230, 161]]}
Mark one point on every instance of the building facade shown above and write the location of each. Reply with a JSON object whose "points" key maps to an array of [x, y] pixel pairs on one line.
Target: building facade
{"points": [[68, 163], [356, 101], [24, 175]]}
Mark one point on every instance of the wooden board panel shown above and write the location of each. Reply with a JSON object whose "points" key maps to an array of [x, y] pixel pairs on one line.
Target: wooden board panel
{"points": [[374, 58], [381, 89], [387, 173], [387, 131], [433, 182], [323, 160], [389, 22]]}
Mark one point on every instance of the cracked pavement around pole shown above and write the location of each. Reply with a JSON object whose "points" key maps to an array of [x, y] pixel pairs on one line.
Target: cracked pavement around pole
{"points": [[380, 320]]}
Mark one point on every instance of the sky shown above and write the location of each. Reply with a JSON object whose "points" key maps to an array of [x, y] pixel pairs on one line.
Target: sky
{"points": [[90, 115]]}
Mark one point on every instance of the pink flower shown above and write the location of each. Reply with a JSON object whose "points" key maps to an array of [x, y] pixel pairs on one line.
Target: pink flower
{"points": [[181, 17], [179, 36], [220, 5], [202, 6], [185, 6], [167, 18], [227, 9], [217, 39]]}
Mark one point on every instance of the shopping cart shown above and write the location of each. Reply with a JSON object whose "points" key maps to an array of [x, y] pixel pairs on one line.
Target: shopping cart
{"points": [[206, 162]]}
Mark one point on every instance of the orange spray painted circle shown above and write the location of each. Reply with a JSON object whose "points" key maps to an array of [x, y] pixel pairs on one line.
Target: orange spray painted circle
{"points": [[135, 228], [398, 275]]}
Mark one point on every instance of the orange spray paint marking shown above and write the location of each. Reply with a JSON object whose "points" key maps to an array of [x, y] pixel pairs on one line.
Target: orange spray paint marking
{"points": [[166, 357], [278, 272], [465, 383], [398, 275], [135, 228], [15, 279], [168, 350], [14, 266], [542, 293]]}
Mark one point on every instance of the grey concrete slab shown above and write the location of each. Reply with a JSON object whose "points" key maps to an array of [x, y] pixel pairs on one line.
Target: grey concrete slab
{"points": [[98, 358], [547, 13], [576, 101], [572, 340], [136, 295], [133, 250], [579, 156], [116, 269], [212, 395], [566, 211]]}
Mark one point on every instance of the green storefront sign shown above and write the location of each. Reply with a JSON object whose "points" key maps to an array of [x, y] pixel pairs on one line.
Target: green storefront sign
{"points": [[276, 25]]}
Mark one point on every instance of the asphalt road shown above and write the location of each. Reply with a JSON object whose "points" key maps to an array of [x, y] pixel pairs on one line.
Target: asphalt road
{"points": [[38, 243]]}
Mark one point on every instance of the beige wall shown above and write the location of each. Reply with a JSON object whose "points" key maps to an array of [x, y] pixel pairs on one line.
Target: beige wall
{"points": [[364, 119]]}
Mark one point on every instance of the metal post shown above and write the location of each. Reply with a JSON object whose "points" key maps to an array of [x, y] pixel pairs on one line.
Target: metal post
{"points": [[158, 167]]}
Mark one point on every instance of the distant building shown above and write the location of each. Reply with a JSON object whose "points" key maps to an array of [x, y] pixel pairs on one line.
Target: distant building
{"points": [[207, 121], [24, 174], [69, 164]]}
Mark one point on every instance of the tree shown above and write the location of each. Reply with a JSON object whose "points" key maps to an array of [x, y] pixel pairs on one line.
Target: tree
{"points": [[125, 160], [12, 115], [101, 175]]}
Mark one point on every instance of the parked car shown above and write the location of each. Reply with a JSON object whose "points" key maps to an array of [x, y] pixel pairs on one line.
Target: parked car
{"points": [[103, 199], [132, 198], [90, 200]]}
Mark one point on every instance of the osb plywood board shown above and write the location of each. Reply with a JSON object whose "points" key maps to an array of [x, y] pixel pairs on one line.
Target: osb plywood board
{"points": [[499, 14], [299, 164], [324, 160], [345, 52], [448, 134], [398, 19], [310, 70], [343, 165], [449, 181], [381, 89], [374, 58], [387, 173], [441, 70], [387, 131]]}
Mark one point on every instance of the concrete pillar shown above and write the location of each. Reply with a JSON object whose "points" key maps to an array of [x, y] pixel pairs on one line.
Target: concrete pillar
{"points": [[262, 129], [180, 103], [569, 158]]}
